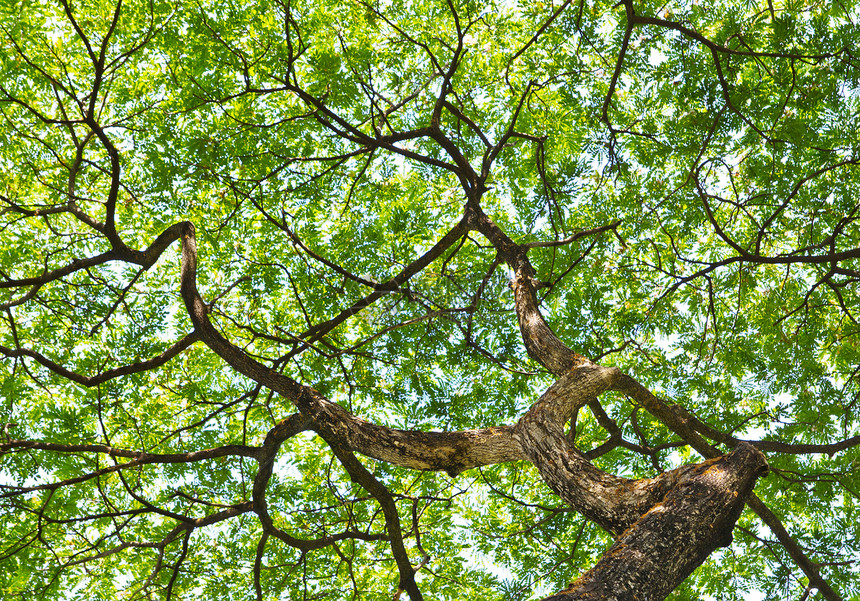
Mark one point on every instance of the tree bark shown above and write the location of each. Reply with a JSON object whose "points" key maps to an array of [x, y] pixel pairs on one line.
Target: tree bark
{"points": [[612, 502], [659, 551]]}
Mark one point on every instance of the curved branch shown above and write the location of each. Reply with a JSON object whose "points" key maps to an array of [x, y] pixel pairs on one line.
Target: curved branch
{"points": [[636, 19], [366, 480], [452, 452], [145, 258], [282, 431], [544, 346], [612, 502], [541, 342], [656, 554], [140, 366]]}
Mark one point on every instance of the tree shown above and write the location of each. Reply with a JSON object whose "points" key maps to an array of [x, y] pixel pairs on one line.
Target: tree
{"points": [[443, 300]]}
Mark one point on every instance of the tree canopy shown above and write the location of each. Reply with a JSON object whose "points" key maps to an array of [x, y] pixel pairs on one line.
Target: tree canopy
{"points": [[443, 300]]}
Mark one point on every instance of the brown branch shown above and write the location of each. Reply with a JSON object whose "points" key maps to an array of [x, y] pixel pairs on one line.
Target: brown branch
{"points": [[145, 258], [636, 19], [612, 502], [55, 274], [684, 424], [449, 451], [137, 367], [541, 342], [140, 457], [666, 544], [465, 119], [809, 568], [416, 266], [536, 35], [574, 237], [282, 431], [544, 346], [625, 43], [360, 474]]}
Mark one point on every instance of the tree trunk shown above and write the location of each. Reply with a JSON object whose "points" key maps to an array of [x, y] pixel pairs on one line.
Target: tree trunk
{"points": [[658, 552]]}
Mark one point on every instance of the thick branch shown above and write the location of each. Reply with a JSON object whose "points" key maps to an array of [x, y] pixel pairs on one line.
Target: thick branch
{"points": [[612, 502], [684, 424], [544, 346], [655, 555], [541, 342], [452, 452]]}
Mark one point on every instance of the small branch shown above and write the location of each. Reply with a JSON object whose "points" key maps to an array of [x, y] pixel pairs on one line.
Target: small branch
{"points": [[89, 381], [574, 237]]}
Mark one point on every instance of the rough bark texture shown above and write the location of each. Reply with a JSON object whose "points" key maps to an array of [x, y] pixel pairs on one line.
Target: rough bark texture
{"points": [[664, 527], [612, 502], [659, 551]]}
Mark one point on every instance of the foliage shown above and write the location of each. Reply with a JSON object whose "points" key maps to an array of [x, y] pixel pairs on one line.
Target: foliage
{"points": [[685, 172]]}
